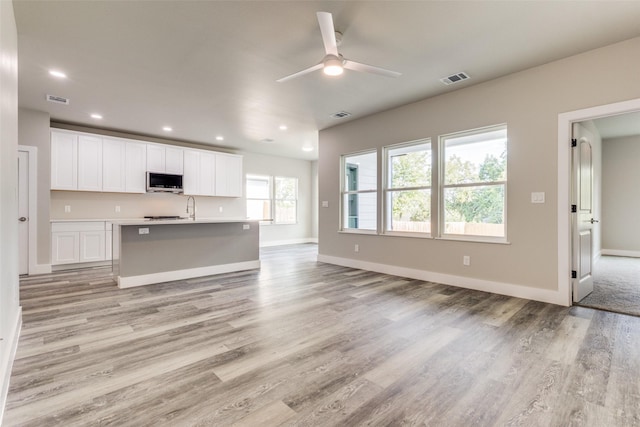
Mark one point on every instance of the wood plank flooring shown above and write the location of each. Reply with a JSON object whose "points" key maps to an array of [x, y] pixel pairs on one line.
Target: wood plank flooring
{"points": [[301, 343]]}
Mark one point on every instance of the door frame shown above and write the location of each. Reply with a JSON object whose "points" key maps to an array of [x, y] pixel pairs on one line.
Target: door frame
{"points": [[32, 190], [565, 122]]}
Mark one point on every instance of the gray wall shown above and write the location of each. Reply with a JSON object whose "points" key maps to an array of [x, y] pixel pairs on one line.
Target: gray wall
{"points": [[621, 195], [33, 130], [529, 102], [9, 285], [314, 200]]}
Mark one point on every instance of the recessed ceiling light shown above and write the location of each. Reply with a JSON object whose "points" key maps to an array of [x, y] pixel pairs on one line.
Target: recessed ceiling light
{"points": [[167, 128], [219, 138], [307, 148], [96, 116], [267, 140], [283, 127], [58, 74]]}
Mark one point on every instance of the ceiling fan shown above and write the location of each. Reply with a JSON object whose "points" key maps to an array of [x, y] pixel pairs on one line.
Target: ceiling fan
{"points": [[333, 64]]}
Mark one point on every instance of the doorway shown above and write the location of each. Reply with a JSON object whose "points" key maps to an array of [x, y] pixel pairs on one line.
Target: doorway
{"points": [[592, 132], [616, 258], [27, 212]]}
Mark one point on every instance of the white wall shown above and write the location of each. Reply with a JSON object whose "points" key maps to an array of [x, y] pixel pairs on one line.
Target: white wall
{"points": [[10, 313], [621, 196], [529, 102]]}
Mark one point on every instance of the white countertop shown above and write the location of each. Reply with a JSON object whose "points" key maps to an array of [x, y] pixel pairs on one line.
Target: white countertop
{"points": [[142, 221]]}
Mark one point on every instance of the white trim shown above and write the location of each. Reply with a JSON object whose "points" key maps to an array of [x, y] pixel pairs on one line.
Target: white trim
{"points": [[618, 252], [565, 121], [7, 361], [512, 290], [168, 276], [33, 203], [40, 269], [288, 242]]}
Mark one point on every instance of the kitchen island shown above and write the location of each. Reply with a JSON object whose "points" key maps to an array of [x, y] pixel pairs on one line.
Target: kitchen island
{"points": [[152, 251]]}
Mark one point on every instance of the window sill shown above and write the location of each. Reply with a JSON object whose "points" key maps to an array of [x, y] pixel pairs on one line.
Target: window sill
{"points": [[407, 234], [475, 239], [357, 231]]}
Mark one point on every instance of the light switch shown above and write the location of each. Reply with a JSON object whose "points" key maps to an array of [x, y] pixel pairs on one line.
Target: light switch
{"points": [[325, 203], [67, 208], [537, 197]]}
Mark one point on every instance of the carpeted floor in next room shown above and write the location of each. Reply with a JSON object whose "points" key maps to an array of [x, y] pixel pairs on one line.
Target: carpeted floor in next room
{"points": [[616, 285]]}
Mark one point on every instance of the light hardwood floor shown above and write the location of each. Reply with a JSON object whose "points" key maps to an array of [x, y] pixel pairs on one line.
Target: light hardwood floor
{"points": [[305, 343]]}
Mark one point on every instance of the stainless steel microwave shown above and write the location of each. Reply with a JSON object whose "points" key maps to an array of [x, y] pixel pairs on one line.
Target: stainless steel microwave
{"points": [[164, 182]]}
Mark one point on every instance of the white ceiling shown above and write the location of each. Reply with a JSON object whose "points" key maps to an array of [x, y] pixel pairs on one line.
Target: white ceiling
{"points": [[619, 125], [210, 67]]}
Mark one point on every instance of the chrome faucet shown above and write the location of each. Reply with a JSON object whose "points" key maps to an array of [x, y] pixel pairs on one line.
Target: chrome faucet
{"points": [[192, 212]]}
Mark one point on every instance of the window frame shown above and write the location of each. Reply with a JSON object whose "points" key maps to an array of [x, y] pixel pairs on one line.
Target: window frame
{"points": [[270, 199], [387, 190], [344, 192], [275, 200], [443, 187]]}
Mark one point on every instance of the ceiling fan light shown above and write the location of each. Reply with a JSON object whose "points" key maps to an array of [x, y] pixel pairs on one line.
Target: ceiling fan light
{"points": [[333, 67]]}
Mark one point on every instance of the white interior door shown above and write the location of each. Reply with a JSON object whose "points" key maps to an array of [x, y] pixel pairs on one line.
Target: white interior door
{"points": [[583, 219], [23, 211]]}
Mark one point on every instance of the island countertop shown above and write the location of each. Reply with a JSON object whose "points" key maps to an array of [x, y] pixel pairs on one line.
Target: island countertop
{"points": [[143, 221]]}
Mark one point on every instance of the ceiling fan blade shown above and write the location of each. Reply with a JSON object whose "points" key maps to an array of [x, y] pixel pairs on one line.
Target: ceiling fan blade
{"points": [[301, 73], [328, 33], [358, 66]]}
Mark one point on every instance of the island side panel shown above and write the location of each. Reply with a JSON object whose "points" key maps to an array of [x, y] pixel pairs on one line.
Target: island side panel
{"points": [[174, 247]]}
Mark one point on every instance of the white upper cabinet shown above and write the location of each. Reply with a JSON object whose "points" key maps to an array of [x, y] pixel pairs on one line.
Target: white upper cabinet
{"points": [[228, 176], [165, 159], [174, 160], [89, 163], [135, 167], [199, 173], [113, 165], [155, 158], [64, 161]]}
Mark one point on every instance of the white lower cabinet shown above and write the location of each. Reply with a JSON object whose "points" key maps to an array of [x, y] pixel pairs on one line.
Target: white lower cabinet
{"points": [[81, 241]]}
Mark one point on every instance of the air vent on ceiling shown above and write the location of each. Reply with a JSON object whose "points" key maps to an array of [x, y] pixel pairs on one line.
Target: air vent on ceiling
{"points": [[340, 115], [58, 99], [455, 78]]}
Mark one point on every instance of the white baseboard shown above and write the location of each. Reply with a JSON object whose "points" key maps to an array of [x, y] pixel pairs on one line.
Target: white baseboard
{"points": [[7, 361], [40, 269], [508, 289], [617, 252], [148, 279], [288, 242]]}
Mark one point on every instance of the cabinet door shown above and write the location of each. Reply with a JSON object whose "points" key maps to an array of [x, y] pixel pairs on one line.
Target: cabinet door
{"points": [[191, 176], [155, 158], [64, 161], [64, 247], [92, 246], [89, 163], [113, 165], [207, 174], [174, 160], [228, 175], [135, 167]]}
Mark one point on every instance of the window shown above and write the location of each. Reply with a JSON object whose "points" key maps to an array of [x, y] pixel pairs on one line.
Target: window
{"points": [[272, 199], [359, 191], [259, 197], [408, 188], [474, 181], [286, 200]]}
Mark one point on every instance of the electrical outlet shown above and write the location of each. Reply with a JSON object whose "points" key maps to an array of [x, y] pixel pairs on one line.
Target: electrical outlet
{"points": [[246, 226], [356, 248], [325, 203], [220, 209], [466, 260], [67, 208], [117, 208], [143, 231]]}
